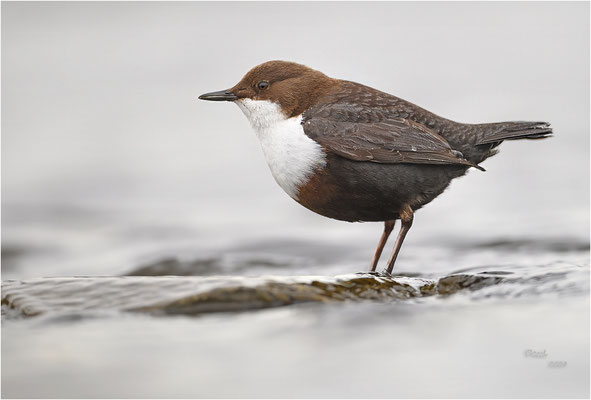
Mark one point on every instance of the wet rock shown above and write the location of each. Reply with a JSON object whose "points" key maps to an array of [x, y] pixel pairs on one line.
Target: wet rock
{"points": [[173, 266], [232, 264], [11, 254], [454, 283], [191, 295], [555, 245], [195, 295]]}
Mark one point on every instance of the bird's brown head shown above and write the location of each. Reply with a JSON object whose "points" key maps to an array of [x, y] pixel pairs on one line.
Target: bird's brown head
{"points": [[294, 87]]}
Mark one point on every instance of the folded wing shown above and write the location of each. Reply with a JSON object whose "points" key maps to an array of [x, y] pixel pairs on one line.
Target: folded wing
{"points": [[391, 140]]}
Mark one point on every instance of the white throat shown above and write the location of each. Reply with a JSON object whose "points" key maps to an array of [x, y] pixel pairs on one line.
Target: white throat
{"points": [[291, 155]]}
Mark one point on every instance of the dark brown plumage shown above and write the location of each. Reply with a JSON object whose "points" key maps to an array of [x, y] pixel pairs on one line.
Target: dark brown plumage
{"points": [[384, 157], [349, 109]]}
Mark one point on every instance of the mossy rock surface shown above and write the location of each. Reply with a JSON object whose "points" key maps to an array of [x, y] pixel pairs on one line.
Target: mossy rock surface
{"points": [[196, 295]]}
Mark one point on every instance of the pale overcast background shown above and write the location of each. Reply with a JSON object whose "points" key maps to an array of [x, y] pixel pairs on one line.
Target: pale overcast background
{"points": [[100, 116]]}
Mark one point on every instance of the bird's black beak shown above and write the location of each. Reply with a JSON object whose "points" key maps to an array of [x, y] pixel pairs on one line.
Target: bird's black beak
{"points": [[222, 95]]}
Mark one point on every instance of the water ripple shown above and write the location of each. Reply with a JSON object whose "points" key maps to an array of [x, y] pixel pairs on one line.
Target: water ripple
{"points": [[197, 295]]}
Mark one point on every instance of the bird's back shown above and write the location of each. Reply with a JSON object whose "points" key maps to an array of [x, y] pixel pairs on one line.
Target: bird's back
{"points": [[476, 142]]}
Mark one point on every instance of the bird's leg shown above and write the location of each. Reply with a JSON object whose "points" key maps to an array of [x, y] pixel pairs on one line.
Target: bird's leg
{"points": [[388, 226], [406, 217]]}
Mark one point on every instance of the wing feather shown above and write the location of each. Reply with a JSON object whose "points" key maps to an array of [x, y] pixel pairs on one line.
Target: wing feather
{"points": [[389, 140]]}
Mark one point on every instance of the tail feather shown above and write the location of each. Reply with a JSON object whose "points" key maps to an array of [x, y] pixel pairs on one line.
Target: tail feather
{"points": [[498, 132]]}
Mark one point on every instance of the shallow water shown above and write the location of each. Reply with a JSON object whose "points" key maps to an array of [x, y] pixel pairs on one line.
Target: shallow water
{"points": [[191, 308], [246, 324], [198, 295], [448, 347]]}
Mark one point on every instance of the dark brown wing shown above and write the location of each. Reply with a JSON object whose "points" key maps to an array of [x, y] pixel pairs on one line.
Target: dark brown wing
{"points": [[392, 140]]}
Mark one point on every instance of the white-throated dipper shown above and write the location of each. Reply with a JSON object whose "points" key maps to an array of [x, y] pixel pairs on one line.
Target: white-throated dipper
{"points": [[353, 153]]}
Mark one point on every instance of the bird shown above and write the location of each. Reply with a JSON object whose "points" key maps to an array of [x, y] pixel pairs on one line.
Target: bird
{"points": [[353, 153]]}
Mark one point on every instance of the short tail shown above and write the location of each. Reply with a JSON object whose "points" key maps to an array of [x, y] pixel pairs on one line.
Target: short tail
{"points": [[497, 132]]}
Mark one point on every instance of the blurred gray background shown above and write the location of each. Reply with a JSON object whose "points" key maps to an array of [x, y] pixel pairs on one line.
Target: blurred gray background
{"points": [[109, 160]]}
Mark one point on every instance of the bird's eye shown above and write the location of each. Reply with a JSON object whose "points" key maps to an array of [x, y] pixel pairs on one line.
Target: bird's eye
{"points": [[263, 85]]}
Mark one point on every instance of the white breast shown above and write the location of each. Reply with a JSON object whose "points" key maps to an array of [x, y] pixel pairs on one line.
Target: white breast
{"points": [[292, 156]]}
